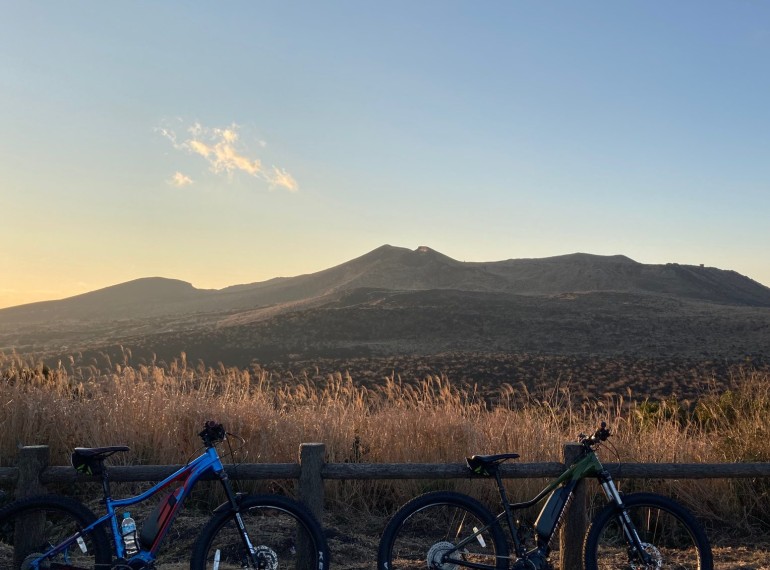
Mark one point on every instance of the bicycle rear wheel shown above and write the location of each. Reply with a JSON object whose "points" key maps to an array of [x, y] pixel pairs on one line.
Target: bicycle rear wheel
{"points": [[284, 534], [669, 534], [440, 531], [31, 528]]}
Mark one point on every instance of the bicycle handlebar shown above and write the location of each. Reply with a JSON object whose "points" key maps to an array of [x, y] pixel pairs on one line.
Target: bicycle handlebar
{"points": [[599, 436], [213, 432]]}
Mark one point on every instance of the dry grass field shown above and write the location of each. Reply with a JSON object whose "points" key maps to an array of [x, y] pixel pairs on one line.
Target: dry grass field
{"points": [[157, 410]]}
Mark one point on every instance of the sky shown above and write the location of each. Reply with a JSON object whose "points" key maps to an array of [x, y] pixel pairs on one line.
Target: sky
{"points": [[224, 143]]}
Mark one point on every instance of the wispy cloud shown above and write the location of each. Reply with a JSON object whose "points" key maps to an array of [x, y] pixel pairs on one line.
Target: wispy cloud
{"points": [[281, 178], [180, 180], [224, 154]]}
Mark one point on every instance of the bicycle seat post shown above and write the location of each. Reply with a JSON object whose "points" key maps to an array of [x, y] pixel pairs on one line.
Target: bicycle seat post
{"points": [[500, 487], [508, 512], [105, 485], [90, 461]]}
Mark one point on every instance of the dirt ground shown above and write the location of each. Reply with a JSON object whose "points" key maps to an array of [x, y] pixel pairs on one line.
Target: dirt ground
{"points": [[353, 539]]}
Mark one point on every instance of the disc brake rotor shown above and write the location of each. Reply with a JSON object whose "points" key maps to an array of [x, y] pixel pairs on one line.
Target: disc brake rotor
{"points": [[266, 557], [655, 555]]}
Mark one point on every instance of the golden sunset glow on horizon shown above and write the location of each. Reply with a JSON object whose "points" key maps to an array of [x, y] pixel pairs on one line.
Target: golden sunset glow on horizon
{"points": [[245, 142]]}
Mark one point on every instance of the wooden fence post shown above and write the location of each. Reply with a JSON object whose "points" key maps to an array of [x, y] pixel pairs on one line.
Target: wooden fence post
{"points": [[311, 484], [32, 459], [575, 522], [311, 493]]}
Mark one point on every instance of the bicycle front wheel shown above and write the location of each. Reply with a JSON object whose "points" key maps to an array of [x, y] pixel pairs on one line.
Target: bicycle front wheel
{"points": [[442, 531], [283, 534], [670, 537], [32, 529]]}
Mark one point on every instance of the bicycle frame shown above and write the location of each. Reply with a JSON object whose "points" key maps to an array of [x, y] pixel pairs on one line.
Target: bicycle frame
{"points": [[188, 475], [550, 515], [561, 490]]}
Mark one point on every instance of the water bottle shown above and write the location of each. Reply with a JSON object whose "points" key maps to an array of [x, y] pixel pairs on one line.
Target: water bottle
{"points": [[128, 530]]}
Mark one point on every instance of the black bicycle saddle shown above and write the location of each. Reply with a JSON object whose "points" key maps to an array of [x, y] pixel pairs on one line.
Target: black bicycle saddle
{"points": [[486, 464]]}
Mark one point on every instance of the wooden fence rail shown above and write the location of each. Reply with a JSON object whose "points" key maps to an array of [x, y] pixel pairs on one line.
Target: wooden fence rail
{"points": [[33, 473]]}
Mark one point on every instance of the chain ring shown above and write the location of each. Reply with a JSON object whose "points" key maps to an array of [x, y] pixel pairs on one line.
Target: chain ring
{"points": [[26, 564]]}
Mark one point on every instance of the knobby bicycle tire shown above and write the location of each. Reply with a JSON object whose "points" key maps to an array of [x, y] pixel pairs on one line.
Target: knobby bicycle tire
{"points": [[668, 531], [424, 533], [283, 532], [32, 526]]}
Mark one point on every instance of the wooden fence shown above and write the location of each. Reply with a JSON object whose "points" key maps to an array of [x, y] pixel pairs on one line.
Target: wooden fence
{"points": [[33, 473]]}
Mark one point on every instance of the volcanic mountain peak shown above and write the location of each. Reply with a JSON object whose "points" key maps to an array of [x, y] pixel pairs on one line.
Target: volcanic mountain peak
{"points": [[400, 269]]}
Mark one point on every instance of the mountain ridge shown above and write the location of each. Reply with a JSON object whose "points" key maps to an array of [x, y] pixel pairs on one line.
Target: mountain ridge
{"points": [[394, 300], [397, 268]]}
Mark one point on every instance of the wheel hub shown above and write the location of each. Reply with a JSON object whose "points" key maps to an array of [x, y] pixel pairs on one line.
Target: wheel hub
{"points": [[436, 555]]}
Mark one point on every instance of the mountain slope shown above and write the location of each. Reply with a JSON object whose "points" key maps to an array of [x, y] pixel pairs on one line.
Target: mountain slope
{"points": [[151, 295], [582, 272], [399, 300], [401, 269]]}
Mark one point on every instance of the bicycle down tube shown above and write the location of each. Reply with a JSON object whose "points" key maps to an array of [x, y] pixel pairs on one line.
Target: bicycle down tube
{"points": [[187, 475]]}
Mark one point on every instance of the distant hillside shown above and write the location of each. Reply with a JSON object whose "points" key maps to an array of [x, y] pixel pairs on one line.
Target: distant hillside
{"points": [[401, 269], [393, 299], [582, 272], [152, 295]]}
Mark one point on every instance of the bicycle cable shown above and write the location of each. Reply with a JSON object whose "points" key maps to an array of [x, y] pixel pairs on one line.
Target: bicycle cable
{"points": [[616, 453], [192, 456], [233, 452]]}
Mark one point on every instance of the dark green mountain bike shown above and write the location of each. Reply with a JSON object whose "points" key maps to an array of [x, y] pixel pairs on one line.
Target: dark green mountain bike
{"points": [[451, 531]]}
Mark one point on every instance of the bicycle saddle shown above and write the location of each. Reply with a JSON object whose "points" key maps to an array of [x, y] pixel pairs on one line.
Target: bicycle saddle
{"points": [[90, 460], [486, 464]]}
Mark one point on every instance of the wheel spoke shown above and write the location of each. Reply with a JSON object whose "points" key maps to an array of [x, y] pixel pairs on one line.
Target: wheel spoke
{"points": [[670, 538], [30, 531], [280, 540], [442, 535]]}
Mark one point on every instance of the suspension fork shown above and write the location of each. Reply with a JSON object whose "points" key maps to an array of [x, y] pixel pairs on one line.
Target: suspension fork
{"points": [[232, 498], [632, 536]]}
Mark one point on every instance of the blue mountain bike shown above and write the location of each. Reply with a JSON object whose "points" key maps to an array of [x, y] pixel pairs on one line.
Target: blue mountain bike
{"points": [[265, 532]]}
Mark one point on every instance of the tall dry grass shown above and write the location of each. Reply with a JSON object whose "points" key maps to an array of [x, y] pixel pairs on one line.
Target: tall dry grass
{"points": [[158, 410]]}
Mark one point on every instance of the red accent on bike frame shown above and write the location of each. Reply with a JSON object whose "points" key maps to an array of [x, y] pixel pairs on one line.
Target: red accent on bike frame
{"points": [[167, 512]]}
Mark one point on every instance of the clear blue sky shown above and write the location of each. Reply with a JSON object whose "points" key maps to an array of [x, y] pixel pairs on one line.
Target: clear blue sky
{"points": [[232, 142]]}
